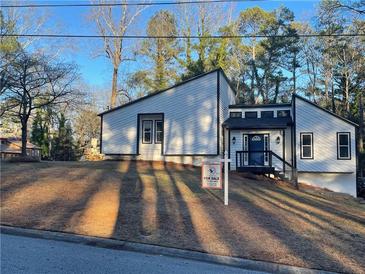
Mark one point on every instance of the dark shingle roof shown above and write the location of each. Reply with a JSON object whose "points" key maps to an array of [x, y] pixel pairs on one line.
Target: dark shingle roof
{"points": [[257, 123]]}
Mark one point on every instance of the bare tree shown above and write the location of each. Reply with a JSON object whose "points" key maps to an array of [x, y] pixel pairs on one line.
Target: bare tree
{"points": [[115, 22], [33, 82], [87, 126], [352, 6], [29, 20]]}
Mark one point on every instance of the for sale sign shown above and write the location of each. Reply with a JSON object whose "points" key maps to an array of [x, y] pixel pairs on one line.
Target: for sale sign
{"points": [[212, 175]]}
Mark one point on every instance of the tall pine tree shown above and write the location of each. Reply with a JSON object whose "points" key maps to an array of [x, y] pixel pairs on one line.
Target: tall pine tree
{"points": [[39, 134], [63, 148]]}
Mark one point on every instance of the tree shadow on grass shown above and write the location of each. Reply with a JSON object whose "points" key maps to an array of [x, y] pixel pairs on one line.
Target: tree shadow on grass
{"points": [[268, 210], [166, 205], [55, 211], [300, 248], [325, 206]]}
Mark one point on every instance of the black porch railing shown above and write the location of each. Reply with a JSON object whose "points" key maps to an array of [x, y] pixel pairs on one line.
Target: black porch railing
{"points": [[243, 160]]}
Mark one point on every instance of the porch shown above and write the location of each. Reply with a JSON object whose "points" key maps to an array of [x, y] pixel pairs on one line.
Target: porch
{"points": [[245, 162], [260, 145]]}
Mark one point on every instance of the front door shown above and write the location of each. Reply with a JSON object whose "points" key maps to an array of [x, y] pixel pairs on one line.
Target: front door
{"points": [[256, 147]]}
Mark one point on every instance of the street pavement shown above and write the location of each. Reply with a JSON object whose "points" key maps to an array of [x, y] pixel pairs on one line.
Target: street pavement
{"points": [[33, 255]]}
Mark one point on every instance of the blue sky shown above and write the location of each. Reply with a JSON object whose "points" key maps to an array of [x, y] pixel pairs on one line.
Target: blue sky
{"points": [[97, 71]]}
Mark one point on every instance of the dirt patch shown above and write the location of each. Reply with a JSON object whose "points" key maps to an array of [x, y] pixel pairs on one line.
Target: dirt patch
{"points": [[164, 204]]}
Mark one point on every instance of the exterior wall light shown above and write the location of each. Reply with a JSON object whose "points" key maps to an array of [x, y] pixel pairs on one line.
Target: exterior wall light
{"points": [[234, 140], [278, 140]]}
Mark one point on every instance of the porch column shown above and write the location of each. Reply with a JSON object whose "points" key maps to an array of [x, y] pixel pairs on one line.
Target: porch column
{"points": [[284, 151]]}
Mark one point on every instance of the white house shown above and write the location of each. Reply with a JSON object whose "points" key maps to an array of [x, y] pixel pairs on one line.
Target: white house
{"points": [[198, 119]]}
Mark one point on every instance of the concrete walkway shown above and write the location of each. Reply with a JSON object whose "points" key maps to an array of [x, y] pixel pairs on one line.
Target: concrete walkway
{"points": [[33, 255]]}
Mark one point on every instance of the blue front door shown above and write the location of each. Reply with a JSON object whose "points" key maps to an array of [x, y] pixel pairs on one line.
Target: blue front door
{"points": [[256, 147]]}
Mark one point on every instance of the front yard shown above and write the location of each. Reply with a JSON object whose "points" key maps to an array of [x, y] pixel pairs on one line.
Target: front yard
{"points": [[164, 204]]}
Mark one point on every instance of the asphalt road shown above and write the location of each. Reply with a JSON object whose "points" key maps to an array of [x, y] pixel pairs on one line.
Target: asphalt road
{"points": [[32, 255]]}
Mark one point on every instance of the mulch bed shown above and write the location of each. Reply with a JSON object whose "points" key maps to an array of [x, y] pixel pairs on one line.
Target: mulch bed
{"points": [[164, 204]]}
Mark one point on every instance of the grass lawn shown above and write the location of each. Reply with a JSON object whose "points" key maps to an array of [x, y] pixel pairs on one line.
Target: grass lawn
{"points": [[164, 204]]}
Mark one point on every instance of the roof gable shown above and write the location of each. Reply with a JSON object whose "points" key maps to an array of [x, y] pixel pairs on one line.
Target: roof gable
{"points": [[295, 96], [164, 90]]}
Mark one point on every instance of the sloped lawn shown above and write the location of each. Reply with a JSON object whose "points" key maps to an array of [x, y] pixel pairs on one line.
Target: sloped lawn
{"points": [[165, 205]]}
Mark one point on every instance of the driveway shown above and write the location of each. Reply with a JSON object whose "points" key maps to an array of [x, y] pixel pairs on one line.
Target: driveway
{"points": [[165, 205]]}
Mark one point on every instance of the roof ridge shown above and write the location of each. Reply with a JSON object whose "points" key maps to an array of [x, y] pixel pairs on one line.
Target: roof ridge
{"points": [[325, 110], [163, 90]]}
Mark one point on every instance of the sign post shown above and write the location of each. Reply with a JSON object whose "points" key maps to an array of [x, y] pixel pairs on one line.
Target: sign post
{"points": [[226, 161], [212, 175]]}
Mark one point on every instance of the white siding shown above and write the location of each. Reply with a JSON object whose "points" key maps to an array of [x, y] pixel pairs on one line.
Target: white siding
{"points": [[238, 134], [324, 126], [190, 120], [226, 98], [189, 160]]}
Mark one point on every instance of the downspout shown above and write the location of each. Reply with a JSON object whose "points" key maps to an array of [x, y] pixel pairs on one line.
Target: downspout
{"points": [[101, 134], [294, 145]]}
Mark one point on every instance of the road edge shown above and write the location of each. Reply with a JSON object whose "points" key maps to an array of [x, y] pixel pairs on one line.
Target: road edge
{"points": [[157, 250]]}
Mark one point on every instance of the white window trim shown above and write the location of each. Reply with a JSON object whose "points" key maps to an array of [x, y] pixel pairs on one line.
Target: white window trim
{"points": [[156, 131], [143, 132], [311, 157], [348, 146], [245, 148]]}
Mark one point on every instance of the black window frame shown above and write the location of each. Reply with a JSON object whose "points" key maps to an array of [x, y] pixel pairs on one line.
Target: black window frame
{"points": [[235, 112], [143, 128], [283, 111], [301, 146], [250, 112], [155, 132], [339, 157], [267, 112]]}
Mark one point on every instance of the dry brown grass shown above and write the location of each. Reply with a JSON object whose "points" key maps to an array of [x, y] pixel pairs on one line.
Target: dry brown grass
{"points": [[165, 205]]}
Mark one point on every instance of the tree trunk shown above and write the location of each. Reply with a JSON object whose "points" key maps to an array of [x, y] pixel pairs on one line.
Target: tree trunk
{"points": [[259, 83], [24, 138], [277, 86], [361, 124], [252, 92], [333, 97], [326, 96], [160, 82], [294, 75], [113, 99], [347, 103]]}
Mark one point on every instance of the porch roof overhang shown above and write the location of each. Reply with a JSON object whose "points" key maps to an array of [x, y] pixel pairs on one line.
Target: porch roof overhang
{"points": [[258, 123]]}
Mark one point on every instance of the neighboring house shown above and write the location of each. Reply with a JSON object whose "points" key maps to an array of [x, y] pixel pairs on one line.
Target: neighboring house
{"points": [[11, 147], [198, 119]]}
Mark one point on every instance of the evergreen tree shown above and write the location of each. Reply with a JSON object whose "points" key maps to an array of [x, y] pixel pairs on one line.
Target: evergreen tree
{"points": [[63, 148], [39, 134], [161, 51]]}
